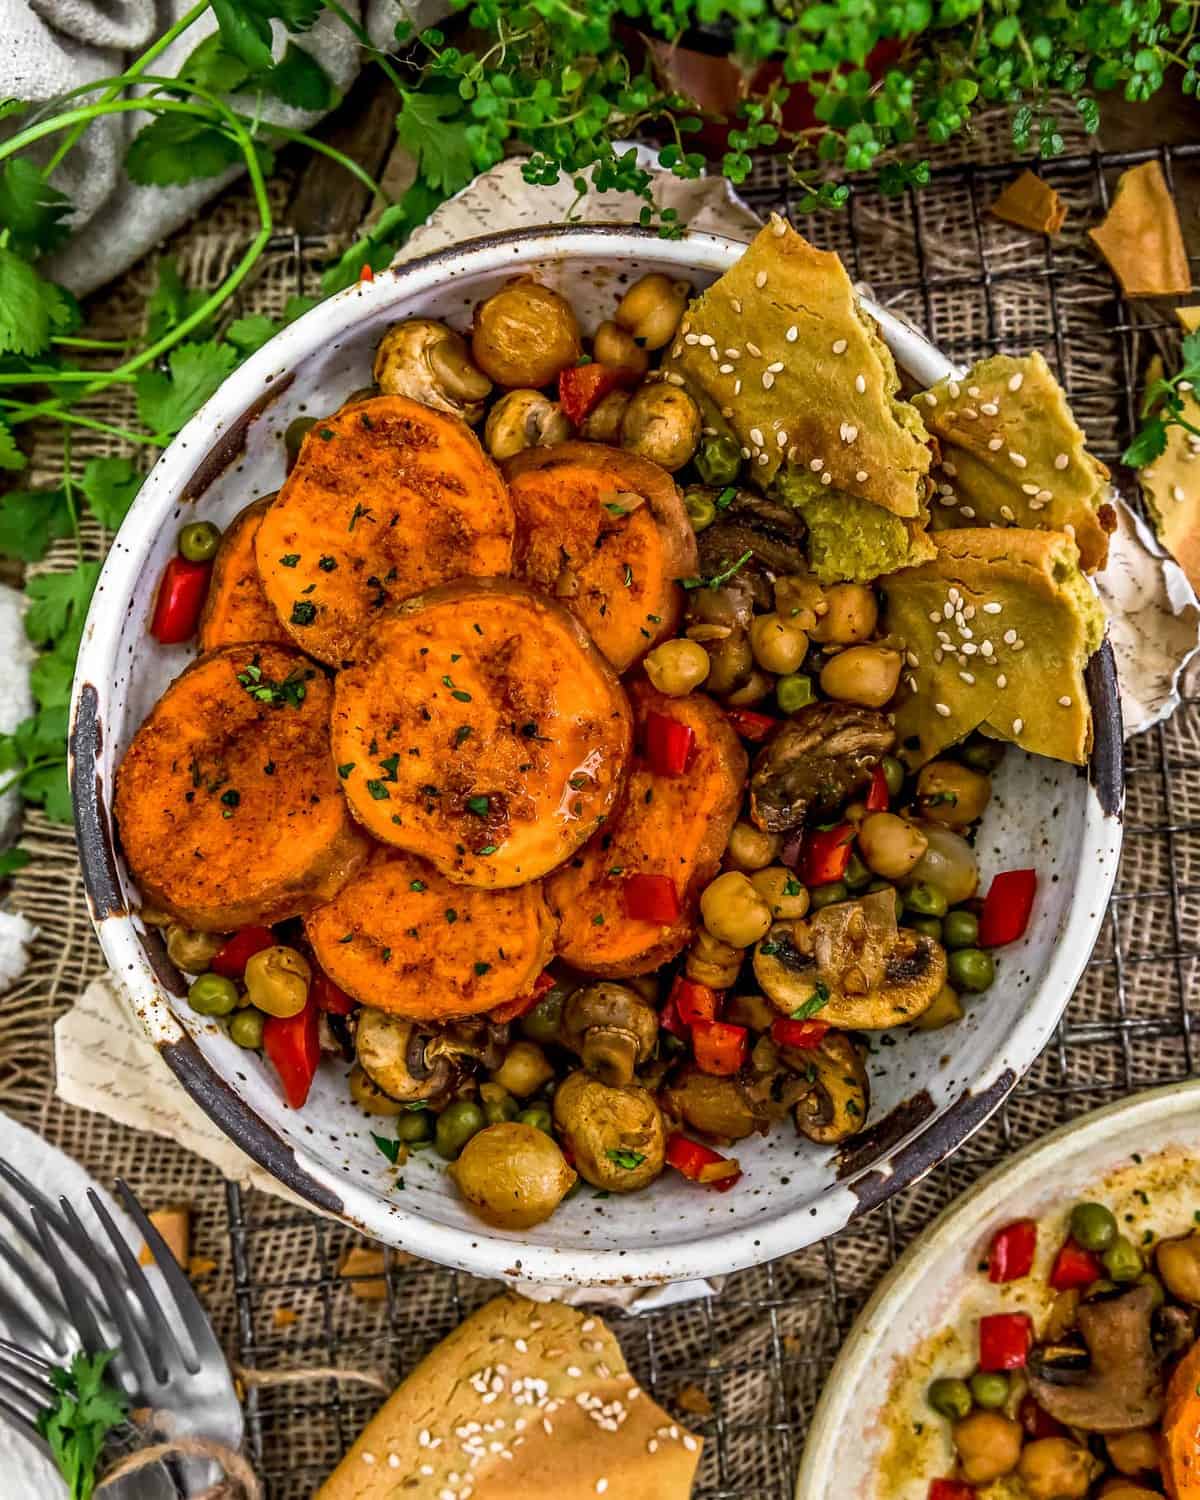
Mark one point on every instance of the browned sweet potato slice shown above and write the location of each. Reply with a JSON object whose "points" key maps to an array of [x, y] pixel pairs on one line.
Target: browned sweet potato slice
{"points": [[388, 497], [227, 803], [676, 826], [402, 938], [483, 731], [237, 609], [610, 557]]}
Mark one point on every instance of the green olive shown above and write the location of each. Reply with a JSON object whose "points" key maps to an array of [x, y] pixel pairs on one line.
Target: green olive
{"points": [[542, 1022], [718, 460], [456, 1124], [213, 995], [893, 774], [1123, 1260], [828, 895], [701, 509], [246, 1028], [498, 1104], [960, 929], [1093, 1226], [793, 691], [415, 1125], [989, 1390], [538, 1116], [294, 435], [981, 753], [926, 900], [857, 875], [198, 541], [950, 1398], [926, 926], [971, 969]]}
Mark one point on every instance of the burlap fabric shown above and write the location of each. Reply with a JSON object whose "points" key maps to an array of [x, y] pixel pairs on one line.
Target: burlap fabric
{"points": [[756, 1355]]}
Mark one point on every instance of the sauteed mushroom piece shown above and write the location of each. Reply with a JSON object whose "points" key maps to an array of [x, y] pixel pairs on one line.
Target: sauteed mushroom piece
{"points": [[719, 1107], [524, 419], [836, 1106], [616, 1136], [393, 1055], [430, 363], [612, 1028], [815, 761]]}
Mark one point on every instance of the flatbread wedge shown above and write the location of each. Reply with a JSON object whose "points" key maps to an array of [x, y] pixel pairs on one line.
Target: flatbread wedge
{"points": [[996, 632], [1171, 483], [1013, 455]]}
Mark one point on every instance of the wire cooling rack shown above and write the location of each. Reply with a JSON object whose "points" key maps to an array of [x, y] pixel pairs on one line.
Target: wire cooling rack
{"points": [[746, 1367]]}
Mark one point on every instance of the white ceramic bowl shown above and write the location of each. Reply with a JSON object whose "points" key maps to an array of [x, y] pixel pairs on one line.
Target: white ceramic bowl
{"points": [[930, 1091], [921, 1321]]}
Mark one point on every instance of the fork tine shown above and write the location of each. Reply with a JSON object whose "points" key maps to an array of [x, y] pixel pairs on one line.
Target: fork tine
{"points": [[163, 1338], [78, 1306], [18, 1399], [188, 1305], [18, 1322], [131, 1351], [26, 1373], [28, 1266], [34, 1197]]}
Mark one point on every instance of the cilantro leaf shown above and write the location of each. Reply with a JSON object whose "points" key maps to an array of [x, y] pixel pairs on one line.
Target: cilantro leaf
{"points": [[170, 301], [299, 80], [390, 1148], [58, 603], [249, 334], [30, 520], [87, 1407], [11, 456], [433, 128], [165, 402], [174, 149], [212, 66], [52, 673], [109, 485], [1149, 444], [626, 1160], [30, 308], [246, 25], [13, 860], [385, 236], [47, 787], [30, 209]]}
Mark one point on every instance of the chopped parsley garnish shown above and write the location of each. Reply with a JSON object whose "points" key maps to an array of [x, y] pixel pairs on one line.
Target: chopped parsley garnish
{"points": [[480, 806], [385, 955], [304, 612], [627, 1160], [325, 434], [289, 560], [344, 771], [360, 513], [378, 791], [269, 768], [726, 498], [326, 563], [416, 885], [346, 937], [617, 870], [389, 767], [817, 1001], [792, 887], [262, 689], [598, 919], [723, 576], [488, 849], [451, 915], [628, 574], [462, 733], [448, 681], [390, 1148], [481, 968]]}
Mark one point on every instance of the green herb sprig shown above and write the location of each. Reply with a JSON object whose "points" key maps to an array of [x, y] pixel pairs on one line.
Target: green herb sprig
{"points": [[1163, 406], [87, 1409]]}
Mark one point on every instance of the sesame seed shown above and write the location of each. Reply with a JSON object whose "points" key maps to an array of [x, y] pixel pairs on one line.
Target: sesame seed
{"points": [[792, 334], [489, 1398], [547, 1427], [753, 349], [713, 355], [839, 346], [727, 412], [393, 1460], [912, 658], [942, 709], [1044, 496], [781, 438], [777, 225], [1062, 460], [966, 677], [1177, 492], [1184, 385], [948, 611], [989, 409], [574, 1371], [425, 1469], [1018, 458], [737, 387], [1006, 513], [1016, 381], [745, 452], [862, 476], [969, 648], [423, 1438], [735, 303], [677, 351], [1001, 680], [860, 384], [1009, 637], [673, 379], [995, 444], [760, 280], [775, 367], [992, 608], [929, 398], [368, 1458], [985, 648], [1018, 725], [970, 413], [954, 388], [689, 1442], [848, 432], [733, 354], [1064, 701], [816, 464], [652, 1446], [968, 511], [827, 477], [1029, 489], [706, 341], [602, 1484], [691, 338], [756, 436], [520, 1346], [768, 380], [764, 458], [949, 470]]}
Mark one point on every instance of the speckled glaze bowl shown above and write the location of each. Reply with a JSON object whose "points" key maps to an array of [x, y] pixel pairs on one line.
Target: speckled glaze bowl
{"points": [[930, 1091]]}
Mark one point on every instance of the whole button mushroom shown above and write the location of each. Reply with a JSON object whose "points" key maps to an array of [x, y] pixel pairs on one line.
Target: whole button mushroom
{"points": [[616, 1136], [525, 335], [612, 1028], [430, 363]]}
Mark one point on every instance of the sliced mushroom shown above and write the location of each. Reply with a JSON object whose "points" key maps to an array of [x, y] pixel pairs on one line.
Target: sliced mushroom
{"points": [[851, 962], [1114, 1384], [430, 363], [836, 1105], [524, 419], [612, 1028], [393, 1055], [751, 524], [723, 1108], [814, 761]]}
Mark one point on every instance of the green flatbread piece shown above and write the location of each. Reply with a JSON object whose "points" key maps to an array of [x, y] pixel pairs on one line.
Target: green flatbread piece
{"points": [[849, 539]]}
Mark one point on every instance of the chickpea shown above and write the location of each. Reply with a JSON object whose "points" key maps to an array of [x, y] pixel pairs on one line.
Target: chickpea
{"points": [[525, 335], [277, 980], [524, 1070], [862, 674], [890, 845], [1133, 1452], [430, 363], [851, 615], [191, 951], [733, 910], [782, 892], [1178, 1264], [676, 667], [616, 346], [651, 309], [989, 1446], [1055, 1468], [524, 419], [749, 848], [944, 1010], [753, 690], [603, 423], [778, 645], [800, 601], [712, 962], [661, 423], [949, 792]]}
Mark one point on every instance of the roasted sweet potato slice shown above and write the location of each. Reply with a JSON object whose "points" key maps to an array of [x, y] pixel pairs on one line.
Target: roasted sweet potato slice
{"points": [[402, 938], [227, 802], [237, 609], [675, 826], [388, 497], [606, 533], [483, 731]]}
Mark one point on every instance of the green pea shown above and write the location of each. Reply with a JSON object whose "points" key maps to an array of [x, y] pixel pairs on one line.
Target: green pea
{"points": [[213, 995], [1093, 1226], [827, 895], [981, 753], [925, 899], [893, 774], [542, 1022], [950, 1398], [927, 926], [989, 1390], [498, 1110], [971, 969], [198, 541], [793, 691], [246, 1028], [1123, 1260], [701, 509], [718, 460], [536, 1115], [857, 875], [960, 929], [456, 1124], [414, 1125], [1157, 1294], [294, 435]]}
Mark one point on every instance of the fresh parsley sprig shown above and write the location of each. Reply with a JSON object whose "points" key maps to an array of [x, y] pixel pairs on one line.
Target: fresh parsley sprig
{"points": [[87, 1409], [1163, 406]]}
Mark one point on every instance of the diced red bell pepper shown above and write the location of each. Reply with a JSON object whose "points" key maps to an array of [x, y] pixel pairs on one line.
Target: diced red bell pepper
{"points": [[293, 1045], [181, 596], [805, 1034], [668, 744], [581, 388], [720, 1048], [692, 1001], [826, 854], [330, 998], [513, 1010], [651, 898], [669, 1020], [1012, 1249], [701, 1163], [951, 1489], [1037, 1422], [751, 726], [1004, 1341], [367, 273], [879, 799], [1006, 907], [231, 958], [1074, 1267]]}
